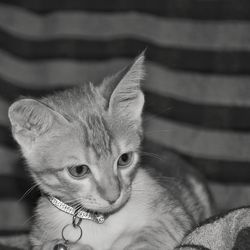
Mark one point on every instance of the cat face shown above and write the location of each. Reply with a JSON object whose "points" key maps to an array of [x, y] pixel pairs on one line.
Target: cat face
{"points": [[81, 145]]}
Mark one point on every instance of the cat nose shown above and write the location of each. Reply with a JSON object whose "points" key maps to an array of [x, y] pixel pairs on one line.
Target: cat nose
{"points": [[113, 199], [111, 195], [110, 192]]}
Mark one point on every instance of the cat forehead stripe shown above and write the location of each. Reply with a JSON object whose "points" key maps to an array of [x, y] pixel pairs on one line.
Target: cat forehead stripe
{"points": [[98, 134]]}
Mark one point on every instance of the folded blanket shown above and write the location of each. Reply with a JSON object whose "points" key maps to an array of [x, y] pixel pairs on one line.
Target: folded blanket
{"points": [[230, 231]]}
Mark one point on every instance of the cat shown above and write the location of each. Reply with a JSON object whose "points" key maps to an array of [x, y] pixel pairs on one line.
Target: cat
{"points": [[82, 146]]}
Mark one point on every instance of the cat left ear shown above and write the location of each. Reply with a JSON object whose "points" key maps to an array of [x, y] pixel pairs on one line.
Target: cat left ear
{"points": [[123, 92], [30, 119]]}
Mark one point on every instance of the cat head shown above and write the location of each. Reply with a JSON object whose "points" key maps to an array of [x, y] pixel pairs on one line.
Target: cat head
{"points": [[81, 144]]}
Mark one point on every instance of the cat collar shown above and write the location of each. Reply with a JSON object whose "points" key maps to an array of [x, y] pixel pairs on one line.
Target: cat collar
{"points": [[79, 213], [77, 216]]}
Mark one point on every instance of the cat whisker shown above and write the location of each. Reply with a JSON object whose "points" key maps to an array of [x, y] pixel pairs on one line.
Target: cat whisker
{"points": [[77, 203], [28, 220], [73, 203], [138, 190], [27, 192], [42, 236], [168, 178], [78, 206], [73, 200], [137, 183], [152, 154]]}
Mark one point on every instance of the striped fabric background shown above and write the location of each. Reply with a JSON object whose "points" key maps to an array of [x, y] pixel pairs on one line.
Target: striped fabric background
{"points": [[197, 85]]}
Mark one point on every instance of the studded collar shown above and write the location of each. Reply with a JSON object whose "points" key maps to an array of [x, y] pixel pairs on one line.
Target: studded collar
{"points": [[81, 213]]}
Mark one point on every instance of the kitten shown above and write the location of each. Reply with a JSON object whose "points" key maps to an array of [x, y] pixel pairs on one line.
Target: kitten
{"points": [[82, 146]]}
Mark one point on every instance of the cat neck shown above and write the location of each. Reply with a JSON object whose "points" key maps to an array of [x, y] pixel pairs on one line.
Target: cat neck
{"points": [[81, 213], [133, 216]]}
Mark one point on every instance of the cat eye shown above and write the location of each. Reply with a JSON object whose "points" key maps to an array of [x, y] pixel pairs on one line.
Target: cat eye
{"points": [[125, 159], [78, 171]]}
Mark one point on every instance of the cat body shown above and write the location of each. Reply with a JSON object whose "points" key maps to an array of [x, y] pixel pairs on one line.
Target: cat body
{"points": [[156, 217], [83, 146]]}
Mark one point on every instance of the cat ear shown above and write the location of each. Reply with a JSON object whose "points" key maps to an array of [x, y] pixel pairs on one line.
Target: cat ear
{"points": [[123, 92], [30, 119]]}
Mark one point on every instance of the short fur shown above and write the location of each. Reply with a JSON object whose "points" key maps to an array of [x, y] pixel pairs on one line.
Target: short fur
{"points": [[94, 125]]}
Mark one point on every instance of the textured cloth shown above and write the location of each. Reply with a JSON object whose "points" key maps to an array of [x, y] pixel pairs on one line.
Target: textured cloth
{"points": [[197, 84], [229, 231]]}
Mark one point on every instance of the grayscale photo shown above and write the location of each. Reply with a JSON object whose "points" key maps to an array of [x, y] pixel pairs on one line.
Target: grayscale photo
{"points": [[124, 125]]}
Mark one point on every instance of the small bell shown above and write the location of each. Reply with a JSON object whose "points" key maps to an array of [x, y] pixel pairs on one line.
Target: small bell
{"points": [[60, 246]]}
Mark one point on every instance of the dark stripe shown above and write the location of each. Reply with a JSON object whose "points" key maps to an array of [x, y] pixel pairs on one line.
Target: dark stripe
{"points": [[6, 138], [221, 62], [232, 118], [214, 170], [13, 187], [195, 9], [10, 91], [207, 116], [12, 233], [3, 247]]}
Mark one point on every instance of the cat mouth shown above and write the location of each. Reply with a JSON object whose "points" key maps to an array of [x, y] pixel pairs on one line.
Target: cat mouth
{"points": [[109, 210], [112, 208]]}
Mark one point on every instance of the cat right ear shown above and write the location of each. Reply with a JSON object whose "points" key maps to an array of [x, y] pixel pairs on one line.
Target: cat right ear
{"points": [[30, 119], [123, 92]]}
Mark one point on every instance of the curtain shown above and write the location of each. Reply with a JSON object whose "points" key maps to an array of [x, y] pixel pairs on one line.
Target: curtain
{"points": [[197, 85]]}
